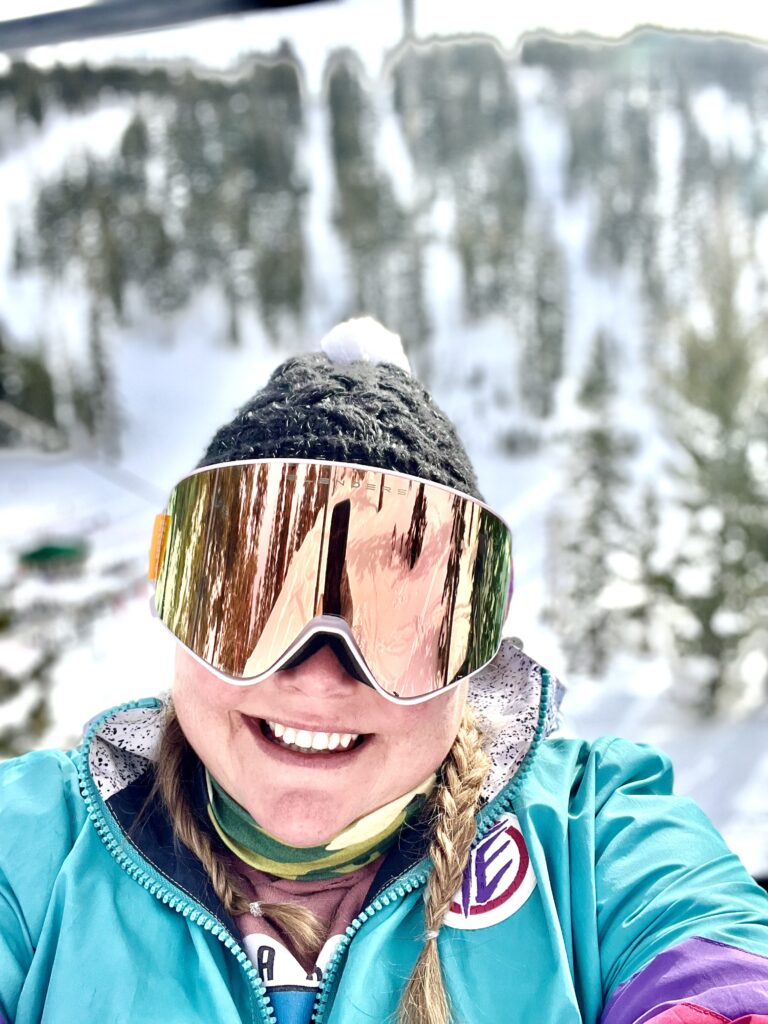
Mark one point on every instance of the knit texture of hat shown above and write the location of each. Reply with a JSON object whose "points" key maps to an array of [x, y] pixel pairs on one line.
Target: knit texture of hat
{"points": [[371, 414]]}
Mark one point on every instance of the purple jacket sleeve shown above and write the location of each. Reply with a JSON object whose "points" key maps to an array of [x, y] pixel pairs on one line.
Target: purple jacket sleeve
{"points": [[698, 981]]}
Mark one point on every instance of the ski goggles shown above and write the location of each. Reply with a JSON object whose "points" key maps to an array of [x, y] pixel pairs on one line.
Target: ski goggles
{"points": [[252, 560]]}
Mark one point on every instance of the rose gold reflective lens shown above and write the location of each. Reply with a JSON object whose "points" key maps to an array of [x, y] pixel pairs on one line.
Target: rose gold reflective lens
{"points": [[256, 550]]}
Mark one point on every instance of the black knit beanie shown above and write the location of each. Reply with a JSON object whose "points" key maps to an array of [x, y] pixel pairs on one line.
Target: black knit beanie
{"points": [[375, 414]]}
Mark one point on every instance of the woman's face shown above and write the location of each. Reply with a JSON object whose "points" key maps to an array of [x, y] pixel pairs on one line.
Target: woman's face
{"points": [[304, 799]]}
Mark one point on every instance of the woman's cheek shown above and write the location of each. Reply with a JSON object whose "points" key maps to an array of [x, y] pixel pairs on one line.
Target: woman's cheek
{"points": [[195, 687], [429, 729]]}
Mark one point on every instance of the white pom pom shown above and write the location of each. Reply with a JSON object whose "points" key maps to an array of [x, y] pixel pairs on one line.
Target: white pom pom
{"points": [[366, 340]]}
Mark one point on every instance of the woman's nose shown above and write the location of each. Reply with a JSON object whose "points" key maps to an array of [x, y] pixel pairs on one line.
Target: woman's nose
{"points": [[319, 674], [340, 648]]}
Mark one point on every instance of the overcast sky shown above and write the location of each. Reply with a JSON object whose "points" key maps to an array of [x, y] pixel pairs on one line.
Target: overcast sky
{"points": [[373, 26]]}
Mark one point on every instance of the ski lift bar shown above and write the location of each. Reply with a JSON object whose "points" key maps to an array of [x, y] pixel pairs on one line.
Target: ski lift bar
{"points": [[115, 17]]}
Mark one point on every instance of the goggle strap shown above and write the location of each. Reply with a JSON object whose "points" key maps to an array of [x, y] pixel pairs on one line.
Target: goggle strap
{"points": [[160, 532]]}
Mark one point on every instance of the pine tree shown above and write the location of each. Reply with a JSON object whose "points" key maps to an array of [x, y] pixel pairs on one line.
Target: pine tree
{"points": [[541, 364], [717, 580], [27, 385], [458, 112], [591, 527], [385, 252], [625, 227], [645, 613], [106, 416]]}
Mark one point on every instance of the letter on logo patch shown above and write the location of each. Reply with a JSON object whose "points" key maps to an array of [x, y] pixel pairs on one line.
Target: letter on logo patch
{"points": [[498, 878]]}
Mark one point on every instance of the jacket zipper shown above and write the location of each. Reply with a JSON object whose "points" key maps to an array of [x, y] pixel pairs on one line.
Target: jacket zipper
{"points": [[408, 882], [389, 895], [164, 890], [400, 887]]}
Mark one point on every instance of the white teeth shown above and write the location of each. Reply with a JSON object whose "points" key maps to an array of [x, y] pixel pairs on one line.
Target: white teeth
{"points": [[311, 741]]}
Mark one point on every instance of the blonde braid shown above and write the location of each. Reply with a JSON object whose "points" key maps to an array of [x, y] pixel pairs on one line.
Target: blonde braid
{"points": [[454, 807], [306, 932]]}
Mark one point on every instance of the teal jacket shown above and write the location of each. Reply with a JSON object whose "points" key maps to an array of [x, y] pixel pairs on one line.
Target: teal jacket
{"points": [[592, 893]]}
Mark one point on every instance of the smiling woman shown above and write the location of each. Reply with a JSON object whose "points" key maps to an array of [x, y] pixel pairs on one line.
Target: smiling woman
{"points": [[353, 806]]}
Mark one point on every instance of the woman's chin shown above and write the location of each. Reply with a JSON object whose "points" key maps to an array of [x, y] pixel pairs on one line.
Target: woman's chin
{"points": [[297, 820], [302, 836]]}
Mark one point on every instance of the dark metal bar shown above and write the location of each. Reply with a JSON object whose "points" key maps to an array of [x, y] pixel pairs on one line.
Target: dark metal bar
{"points": [[115, 17]]}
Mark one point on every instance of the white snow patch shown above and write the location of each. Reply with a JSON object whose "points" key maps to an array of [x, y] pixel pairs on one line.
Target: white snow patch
{"points": [[727, 124]]}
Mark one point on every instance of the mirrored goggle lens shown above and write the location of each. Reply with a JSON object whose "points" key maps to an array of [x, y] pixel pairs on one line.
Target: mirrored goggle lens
{"points": [[254, 551]]}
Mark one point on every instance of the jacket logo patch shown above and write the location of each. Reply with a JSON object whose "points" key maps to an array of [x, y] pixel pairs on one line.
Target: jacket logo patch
{"points": [[498, 878]]}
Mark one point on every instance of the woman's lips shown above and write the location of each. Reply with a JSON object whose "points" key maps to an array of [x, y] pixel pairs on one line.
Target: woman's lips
{"points": [[282, 754]]}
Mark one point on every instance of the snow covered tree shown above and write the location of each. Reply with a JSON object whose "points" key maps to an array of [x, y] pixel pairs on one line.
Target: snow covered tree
{"points": [[716, 582], [26, 387], [93, 393], [385, 249], [626, 227], [541, 361], [458, 113], [590, 528]]}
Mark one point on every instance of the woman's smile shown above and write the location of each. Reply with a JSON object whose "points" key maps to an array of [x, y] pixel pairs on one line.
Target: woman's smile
{"points": [[302, 747], [311, 740], [311, 749]]}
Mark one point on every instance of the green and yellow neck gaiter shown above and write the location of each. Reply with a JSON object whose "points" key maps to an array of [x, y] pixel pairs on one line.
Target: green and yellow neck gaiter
{"points": [[354, 847]]}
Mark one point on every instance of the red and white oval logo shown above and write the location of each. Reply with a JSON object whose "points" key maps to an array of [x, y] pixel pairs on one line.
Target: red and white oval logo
{"points": [[498, 878]]}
